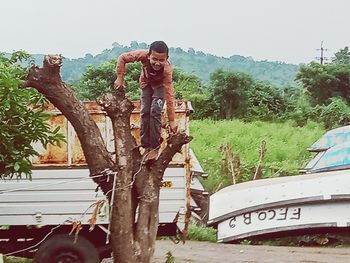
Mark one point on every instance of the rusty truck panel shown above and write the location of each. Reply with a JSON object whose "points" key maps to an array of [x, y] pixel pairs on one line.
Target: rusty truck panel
{"points": [[70, 153]]}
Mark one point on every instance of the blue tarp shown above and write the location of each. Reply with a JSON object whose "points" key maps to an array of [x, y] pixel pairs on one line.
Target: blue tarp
{"points": [[335, 158], [331, 138]]}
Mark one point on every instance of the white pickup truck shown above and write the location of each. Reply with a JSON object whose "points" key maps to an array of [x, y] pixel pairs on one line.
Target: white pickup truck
{"points": [[37, 215]]}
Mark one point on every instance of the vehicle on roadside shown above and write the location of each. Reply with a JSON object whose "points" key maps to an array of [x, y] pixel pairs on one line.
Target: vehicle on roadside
{"points": [[49, 217]]}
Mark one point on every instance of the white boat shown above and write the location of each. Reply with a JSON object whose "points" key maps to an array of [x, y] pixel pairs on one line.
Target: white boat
{"points": [[280, 204]]}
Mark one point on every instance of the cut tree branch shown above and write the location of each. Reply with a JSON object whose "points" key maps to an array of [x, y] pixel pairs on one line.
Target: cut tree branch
{"points": [[48, 82]]}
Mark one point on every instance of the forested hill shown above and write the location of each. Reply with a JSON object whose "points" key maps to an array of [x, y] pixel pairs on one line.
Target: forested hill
{"points": [[191, 61]]}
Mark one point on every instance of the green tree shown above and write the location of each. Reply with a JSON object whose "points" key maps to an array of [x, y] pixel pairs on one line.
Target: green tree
{"points": [[335, 114], [97, 81], [266, 102], [22, 121], [229, 92], [342, 56], [301, 107], [185, 84], [190, 88], [325, 81]]}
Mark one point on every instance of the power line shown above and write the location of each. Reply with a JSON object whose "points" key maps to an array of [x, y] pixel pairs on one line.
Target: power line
{"points": [[322, 58]]}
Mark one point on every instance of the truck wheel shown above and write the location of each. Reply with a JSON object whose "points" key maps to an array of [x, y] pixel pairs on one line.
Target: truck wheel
{"points": [[61, 249]]}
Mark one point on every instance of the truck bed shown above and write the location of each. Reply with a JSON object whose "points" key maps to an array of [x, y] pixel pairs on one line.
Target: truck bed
{"points": [[56, 195]]}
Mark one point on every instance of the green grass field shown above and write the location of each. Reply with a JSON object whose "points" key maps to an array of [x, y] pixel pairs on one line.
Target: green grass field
{"points": [[286, 147], [16, 260]]}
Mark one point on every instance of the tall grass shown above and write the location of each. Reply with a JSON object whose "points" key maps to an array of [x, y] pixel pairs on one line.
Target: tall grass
{"points": [[16, 260], [286, 146], [201, 233]]}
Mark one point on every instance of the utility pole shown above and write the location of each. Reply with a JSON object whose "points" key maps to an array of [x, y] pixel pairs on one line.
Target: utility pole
{"points": [[322, 58]]}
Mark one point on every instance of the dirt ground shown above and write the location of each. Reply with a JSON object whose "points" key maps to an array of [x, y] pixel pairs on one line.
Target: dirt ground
{"points": [[205, 252]]}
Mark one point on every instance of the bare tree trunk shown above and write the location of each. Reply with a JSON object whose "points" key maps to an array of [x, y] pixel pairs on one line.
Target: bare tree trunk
{"points": [[48, 82], [137, 184]]}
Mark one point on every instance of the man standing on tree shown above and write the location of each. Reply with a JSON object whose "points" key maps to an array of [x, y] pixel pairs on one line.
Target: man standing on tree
{"points": [[156, 83]]}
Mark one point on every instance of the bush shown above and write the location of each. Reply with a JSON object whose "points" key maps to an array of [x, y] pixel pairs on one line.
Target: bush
{"points": [[335, 114], [201, 233], [22, 120]]}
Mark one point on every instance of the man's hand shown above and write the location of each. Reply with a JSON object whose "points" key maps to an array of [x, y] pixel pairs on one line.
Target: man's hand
{"points": [[119, 83], [173, 127]]}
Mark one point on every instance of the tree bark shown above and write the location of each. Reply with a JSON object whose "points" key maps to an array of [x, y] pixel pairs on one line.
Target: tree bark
{"points": [[137, 184], [48, 82]]}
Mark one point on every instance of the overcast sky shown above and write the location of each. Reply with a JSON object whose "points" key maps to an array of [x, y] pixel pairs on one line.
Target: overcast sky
{"points": [[276, 30]]}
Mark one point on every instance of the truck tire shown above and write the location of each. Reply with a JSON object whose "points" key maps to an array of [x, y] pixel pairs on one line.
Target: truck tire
{"points": [[61, 249]]}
